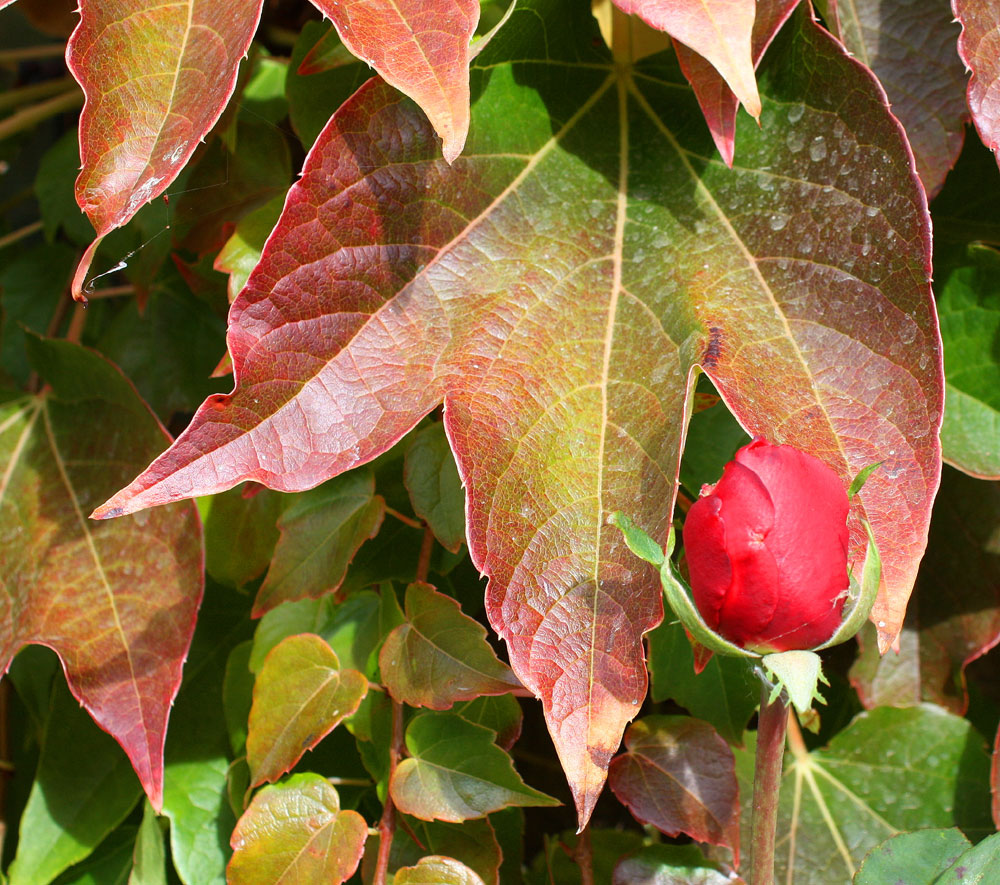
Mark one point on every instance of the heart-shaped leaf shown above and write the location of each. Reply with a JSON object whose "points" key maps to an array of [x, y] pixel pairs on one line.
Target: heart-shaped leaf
{"points": [[565, 376], [69, 583], [295, 832], [439, 655], [300, 696], [677, 775], [156, 78], [455, 772]]}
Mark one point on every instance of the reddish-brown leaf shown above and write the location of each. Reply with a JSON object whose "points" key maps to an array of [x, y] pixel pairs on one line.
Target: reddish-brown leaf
{"points": [[557, 288], [995, 781], [439, 655], [718, 102], [74, 585], [979, 48], [421, 48], [156, 78], [717, 30], [679, 776], [911, 48]]}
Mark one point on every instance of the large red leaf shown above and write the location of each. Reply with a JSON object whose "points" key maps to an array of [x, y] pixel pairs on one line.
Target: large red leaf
{"points": [[717, 30], [71, 584], [979, 48], [421, 48], [556, 288], [911, 48], [156, 78]]}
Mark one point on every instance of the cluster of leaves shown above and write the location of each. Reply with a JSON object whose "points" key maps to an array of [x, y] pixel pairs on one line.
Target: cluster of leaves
{"points": [[526, 260]]}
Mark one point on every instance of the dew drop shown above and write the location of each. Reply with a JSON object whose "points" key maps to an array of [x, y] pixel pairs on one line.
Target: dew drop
{"points": [[817, 150], [795, 113], [778, 221]]}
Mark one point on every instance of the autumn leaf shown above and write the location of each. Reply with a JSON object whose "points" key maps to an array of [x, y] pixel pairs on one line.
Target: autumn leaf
{"points": [[156, 78], [420, 48], [558, 288], [979, 48], [69, 583], [437, 870]]}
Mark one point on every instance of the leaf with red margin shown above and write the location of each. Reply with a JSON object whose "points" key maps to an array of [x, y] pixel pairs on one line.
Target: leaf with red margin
{"points": [[440, 655], [295, 831], [718, 102], [911, 48], [950, 621], [979, 48], [301, 694], [679, 776], [70, 584], [156, 78], [421, 48], [557, 291], [437, 870], [995, 781], [717, 30]]}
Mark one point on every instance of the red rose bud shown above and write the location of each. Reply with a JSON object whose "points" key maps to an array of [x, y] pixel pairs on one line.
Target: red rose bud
{"points": [[766, 550]]}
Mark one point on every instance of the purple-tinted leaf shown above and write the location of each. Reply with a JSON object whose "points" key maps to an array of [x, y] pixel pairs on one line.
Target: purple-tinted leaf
{"points": [[911, 48], [979, 48], [421, 48], [295, 832], [69, 583], [557, 289], [679, 776], [439, 655], [718, 30], [300, 696], [156, 78]]}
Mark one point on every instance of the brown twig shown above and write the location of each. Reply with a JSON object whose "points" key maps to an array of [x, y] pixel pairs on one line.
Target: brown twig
{"points": [[771, 726], [583, 856], [402, 517], [20, 233], [426, 549], [387, 824]]}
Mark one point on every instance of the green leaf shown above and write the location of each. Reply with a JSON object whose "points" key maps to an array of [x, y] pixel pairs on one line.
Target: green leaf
{"points": [[289, 619], [558, 862], [455, 772], [240, 533], [439, 655], [798, 673], [978, 866], [668, 865], [889, 771], [241, 251], [473, 842], [437, 870], [110, 864], [295, 832], [969, 311], [237, 695], [638, 541], [300, 696], [713, 437], [916, 858], [435, 487], [320, 533], [725, 693], [355, 631], [500, 713], [83, 789], [149, 857]]}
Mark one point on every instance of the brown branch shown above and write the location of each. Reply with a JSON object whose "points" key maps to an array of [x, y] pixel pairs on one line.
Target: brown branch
{"points": [[387, 825], [426, 549]]}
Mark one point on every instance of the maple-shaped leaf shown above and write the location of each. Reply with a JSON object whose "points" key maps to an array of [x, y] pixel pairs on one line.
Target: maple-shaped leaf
{"points": [[295, 831], [979, 48], [439, 655], [69, 583], [719, 103], [678, 775], [156, 78], [421, 48], [300, 696], [911, 49], [557, 288], [718, 30]]}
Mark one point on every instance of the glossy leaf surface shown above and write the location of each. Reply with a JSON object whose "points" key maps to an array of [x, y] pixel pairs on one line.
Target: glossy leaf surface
{"points": [[455, 772], [911, 49], [300, 696], [979, 48], [69, 583], [437, 870], [156, 78], [564, 376], [420, 48], [889, 771], [295, 831], [677, 774], [439, 655]]}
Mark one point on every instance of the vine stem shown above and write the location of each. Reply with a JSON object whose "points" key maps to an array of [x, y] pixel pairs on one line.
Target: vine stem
{"points": [[771, 726], [583, 854], [29, 117], [387, 824]]}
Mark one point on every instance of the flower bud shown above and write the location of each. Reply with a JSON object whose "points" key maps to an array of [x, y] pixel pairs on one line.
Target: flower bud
{"points": [[766, 550]]}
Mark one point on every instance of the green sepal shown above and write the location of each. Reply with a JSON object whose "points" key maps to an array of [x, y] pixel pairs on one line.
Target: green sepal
{"points": [[862, 597], [637, 540], [858, 482], [798, 673]]}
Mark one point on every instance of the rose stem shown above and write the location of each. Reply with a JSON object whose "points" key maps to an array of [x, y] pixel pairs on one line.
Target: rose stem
{"points": [[387, 825], [771, 725]]}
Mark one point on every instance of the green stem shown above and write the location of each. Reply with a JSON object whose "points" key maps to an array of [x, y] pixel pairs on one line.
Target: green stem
{"points": [[29, 117], [771, 725], [21, 233], [27, 94], [29, 53]]}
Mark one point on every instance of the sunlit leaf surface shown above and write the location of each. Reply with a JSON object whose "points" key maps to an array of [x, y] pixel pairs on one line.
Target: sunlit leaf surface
{"points": [[979, 47]]}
